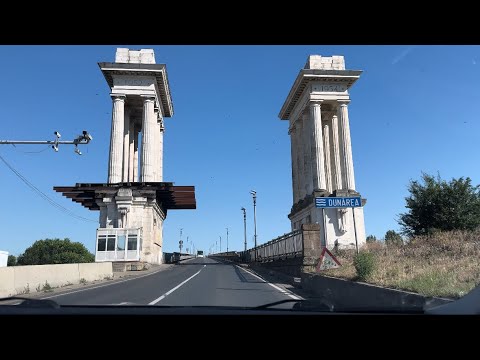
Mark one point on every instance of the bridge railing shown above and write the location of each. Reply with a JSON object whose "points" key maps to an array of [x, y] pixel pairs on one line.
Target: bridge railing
{"points": [[283, 247]]}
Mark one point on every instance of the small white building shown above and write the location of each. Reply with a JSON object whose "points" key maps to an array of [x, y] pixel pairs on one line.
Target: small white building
{"points": [[3, 258]]}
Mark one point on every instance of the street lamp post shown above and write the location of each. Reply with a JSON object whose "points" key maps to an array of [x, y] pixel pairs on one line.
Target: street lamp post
{"points": [[227, 240], [181, 242], [244, 227], [220, 243], [254, 195]]}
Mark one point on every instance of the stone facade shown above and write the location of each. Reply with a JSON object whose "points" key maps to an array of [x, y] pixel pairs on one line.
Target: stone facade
{"points": [[322, 164]]}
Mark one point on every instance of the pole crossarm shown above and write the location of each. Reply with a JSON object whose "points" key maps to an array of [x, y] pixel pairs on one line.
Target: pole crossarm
{"points": [[82, 139]]}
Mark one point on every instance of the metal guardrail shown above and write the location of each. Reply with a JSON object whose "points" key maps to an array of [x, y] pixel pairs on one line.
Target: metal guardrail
{"points": [[283, 247], [175, 257]]}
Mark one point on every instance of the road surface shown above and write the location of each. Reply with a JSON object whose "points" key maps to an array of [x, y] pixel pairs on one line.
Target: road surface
{"points": [[195, 282]]}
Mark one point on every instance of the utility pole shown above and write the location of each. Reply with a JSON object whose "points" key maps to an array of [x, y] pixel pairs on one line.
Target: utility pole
{"points": [[227, 240], [244, 227], [254, 195], [83, 139]]}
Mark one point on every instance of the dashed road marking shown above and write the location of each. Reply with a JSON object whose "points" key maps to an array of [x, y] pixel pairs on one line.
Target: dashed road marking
{"points": [[175, 288]]}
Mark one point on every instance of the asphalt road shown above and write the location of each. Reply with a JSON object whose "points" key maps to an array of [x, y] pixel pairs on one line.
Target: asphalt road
{"points": [[195, 282]]}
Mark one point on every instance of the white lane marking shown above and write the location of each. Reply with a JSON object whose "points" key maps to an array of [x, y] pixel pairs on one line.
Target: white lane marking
{"points": [[99, 286], [283, 291], [175, 288]]}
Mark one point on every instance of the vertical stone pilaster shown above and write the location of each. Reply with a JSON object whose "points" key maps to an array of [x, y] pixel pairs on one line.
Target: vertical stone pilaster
{"points": [[131, 132], [326, 147], [307, 153], [148, 138], [318, 168], [126, 146], [116, 139], [135, 155], [347, 146], [293, 147], [160, 130], [336, 154], [300, 159]]}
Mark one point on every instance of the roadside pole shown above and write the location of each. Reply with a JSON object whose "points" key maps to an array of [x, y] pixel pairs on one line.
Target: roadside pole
{"points": [[355, 229], [324, 228]]}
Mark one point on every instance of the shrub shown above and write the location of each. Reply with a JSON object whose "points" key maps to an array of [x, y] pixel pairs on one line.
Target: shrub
{"points": [[364, 264]]}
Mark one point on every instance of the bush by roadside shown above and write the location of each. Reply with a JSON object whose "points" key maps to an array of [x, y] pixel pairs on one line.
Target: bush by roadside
{"points": [[444, 264]]}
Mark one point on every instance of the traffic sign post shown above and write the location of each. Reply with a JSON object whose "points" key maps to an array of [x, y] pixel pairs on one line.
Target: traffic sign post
{"points": [[324, 228], [355, 229], [339, 203]]}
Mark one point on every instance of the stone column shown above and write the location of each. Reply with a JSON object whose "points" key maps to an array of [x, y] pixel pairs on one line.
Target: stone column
{"points": [[131, 132], [336, 154], [293, 147], [300, 159], [126, 146], [148, 138], [160, 150], [347, 146], [135, 155], [116, 139], [155, 148], [307, 155], [326, 147], [318, 162]]}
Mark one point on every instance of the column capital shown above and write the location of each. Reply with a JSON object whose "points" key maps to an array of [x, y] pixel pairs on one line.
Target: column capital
{"points": [[343, 102], [118, 97], [148, 97], [316, 102]]}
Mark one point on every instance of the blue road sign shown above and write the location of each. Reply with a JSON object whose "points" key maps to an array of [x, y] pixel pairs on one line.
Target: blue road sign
{"points": [[338, 202]]}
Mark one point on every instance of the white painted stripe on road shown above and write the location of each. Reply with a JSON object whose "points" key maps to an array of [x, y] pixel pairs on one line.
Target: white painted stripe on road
{"points": [[100, 286], [283, 291], [175, 288]]}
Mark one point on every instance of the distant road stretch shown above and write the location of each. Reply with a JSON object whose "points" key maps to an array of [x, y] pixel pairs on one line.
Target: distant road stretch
{"points": [[195, 282]]}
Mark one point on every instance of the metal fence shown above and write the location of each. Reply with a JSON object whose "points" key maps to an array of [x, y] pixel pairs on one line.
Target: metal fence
{"points": [[283, 247]]}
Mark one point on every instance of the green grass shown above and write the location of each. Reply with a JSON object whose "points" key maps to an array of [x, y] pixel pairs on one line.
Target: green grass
{"points": [[444, 265]]}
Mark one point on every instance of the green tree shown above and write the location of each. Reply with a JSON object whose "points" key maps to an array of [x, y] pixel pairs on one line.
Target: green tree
{"points": [[371, 238], [55, 251], [393, 238], [12, 260], [438, 205]]}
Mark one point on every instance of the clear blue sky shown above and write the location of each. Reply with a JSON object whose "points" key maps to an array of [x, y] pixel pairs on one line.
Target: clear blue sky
{"points": [[415, 108]]}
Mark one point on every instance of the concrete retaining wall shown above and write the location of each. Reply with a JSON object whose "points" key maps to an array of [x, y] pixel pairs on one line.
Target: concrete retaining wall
{"points": [[95, 271], [350, 294], [290, 267], [16, 280]]}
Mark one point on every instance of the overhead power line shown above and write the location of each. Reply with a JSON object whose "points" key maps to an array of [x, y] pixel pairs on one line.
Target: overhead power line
{"points": [[43, 195]]}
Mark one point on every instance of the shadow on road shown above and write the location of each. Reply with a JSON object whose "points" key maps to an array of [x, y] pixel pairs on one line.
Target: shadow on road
{"points": [[242, 277]]}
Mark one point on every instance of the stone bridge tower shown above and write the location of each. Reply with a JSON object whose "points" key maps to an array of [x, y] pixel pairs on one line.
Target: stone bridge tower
{"points": [[134, 202], [321, 150]]}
